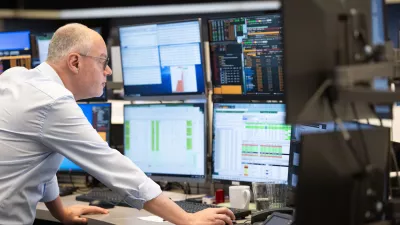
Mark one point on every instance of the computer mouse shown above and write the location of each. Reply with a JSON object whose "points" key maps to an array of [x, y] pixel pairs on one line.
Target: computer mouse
{"points": [[102, 204]]}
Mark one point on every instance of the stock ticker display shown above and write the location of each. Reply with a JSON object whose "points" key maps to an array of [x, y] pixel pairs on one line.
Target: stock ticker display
{"points": [[246, 55]]}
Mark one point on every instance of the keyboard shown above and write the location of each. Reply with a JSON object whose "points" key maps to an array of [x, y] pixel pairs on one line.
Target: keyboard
{"points": [[190, 207]]}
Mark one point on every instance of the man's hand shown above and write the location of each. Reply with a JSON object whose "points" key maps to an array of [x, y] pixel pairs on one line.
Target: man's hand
{"points": [[72, 214], [212, 216]]}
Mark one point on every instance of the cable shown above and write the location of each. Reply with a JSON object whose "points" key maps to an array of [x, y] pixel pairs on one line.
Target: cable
{"points": [[346, 135], [364, 143]]}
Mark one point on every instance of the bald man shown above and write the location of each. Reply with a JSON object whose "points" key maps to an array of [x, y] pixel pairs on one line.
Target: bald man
{"points": [[41, 123]]}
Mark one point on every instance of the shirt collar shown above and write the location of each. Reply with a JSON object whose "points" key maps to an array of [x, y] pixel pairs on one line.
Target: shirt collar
{"points": [[47, 70]]}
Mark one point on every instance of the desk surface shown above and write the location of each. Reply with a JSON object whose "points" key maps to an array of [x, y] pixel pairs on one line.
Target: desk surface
{"points": [[118, 215]]}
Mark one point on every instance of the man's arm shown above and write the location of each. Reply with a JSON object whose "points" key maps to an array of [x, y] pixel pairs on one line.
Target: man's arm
{"points": [[165, 208]]}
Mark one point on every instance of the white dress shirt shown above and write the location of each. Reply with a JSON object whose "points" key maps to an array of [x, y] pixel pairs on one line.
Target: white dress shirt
{"points": [[40, 123]]}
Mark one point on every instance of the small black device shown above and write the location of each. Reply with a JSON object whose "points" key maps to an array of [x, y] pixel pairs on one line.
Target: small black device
{"points": [[279, 219], [102, 204], [262, 216]]}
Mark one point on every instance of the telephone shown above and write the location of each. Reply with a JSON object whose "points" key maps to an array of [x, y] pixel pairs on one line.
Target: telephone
{"points": [[262, 217]]}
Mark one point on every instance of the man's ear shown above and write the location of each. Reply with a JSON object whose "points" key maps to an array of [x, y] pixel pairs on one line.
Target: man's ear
{"points": [[73, 62]]}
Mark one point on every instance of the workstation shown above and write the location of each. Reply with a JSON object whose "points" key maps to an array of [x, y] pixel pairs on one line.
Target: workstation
{"points": [[285, 116]]}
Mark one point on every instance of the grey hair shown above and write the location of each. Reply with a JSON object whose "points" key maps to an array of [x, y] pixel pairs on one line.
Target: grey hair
{"points": [[69, 38]]}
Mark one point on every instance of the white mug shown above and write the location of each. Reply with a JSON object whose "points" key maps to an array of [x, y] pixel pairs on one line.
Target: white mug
{"points": [[239, 196]]}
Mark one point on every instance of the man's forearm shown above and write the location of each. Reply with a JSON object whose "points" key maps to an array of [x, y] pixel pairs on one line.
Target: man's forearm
{"points": [[56, 208], [164, 207]]}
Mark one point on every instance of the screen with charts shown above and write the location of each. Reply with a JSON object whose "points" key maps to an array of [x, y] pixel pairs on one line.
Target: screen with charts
{"points": [[99, 115], [162, 59], [166, 139], [246, 56], [15, 50], [250, 142]]}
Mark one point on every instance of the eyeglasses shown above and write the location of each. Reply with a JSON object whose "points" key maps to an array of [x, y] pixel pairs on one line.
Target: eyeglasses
{"points": [[106, 60]]}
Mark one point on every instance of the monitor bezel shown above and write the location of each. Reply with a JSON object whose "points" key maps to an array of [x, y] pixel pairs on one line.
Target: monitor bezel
{"points": [[176, 177], [238, 182], [201, 94], [82, 172], [245, 97]]}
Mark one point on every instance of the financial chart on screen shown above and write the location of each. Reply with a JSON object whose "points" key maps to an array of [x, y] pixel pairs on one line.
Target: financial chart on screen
{"points": [[99, 115], [166, 139], [162, 59], [246, 55], [251, 142]]}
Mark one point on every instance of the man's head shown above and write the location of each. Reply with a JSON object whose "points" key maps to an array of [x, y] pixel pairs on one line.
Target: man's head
{"points": [[79, 55]]}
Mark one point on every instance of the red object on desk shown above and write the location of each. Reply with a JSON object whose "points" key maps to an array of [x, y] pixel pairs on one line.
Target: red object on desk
{"points": [[219, 196]]}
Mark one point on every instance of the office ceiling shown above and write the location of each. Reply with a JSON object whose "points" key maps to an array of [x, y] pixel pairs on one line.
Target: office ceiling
{"points": [[76, 4]]}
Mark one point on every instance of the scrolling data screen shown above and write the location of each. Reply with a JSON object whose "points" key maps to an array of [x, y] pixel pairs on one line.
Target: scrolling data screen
{"points": [[251, 142]]}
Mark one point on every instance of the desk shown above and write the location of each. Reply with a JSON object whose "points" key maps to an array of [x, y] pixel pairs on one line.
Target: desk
{"points": [[118, 215]]}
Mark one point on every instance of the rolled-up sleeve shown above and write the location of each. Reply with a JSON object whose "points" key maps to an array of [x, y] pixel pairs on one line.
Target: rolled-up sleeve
{"points": [[51, 190], [67, 131]]}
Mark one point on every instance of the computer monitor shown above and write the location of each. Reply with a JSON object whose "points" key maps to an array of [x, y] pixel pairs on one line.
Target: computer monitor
{"points": [[167, 141], [43, 41], [15, 49], [251, 143], [246, 57], [99, 115], [295, 150], [163, 59]]}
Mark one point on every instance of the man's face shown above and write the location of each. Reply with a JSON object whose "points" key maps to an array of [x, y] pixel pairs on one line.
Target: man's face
{"points": [[94, 70]]}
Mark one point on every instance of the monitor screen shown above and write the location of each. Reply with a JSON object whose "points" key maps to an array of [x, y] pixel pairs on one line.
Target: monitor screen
{"points": [[162, 59], [15, 50], [246, 56], [43, 42], [167, 141], [99, 115], [251, 143]]}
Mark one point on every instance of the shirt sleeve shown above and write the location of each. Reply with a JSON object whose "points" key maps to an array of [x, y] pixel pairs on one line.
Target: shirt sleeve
{"points": [[51, 190], [67, 131]]}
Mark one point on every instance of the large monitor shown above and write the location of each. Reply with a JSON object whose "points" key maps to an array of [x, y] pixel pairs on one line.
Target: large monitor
{"points": [[164, 59], [167, 141], [246, 57], [15, 50], [99, 115], [250, 142]]}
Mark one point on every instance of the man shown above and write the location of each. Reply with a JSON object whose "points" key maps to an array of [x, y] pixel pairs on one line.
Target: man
{"points": [[40, 123]]}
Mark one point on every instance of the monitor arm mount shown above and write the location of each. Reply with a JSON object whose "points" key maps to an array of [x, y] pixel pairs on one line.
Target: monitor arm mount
{"points": [[358, 63]]}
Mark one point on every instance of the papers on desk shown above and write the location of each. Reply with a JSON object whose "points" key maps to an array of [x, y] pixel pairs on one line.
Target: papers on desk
{"points": [[174, 196], [152, 219]]}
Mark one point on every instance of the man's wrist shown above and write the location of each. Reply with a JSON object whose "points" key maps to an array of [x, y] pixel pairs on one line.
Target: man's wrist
{"points": [[188, 220]]}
